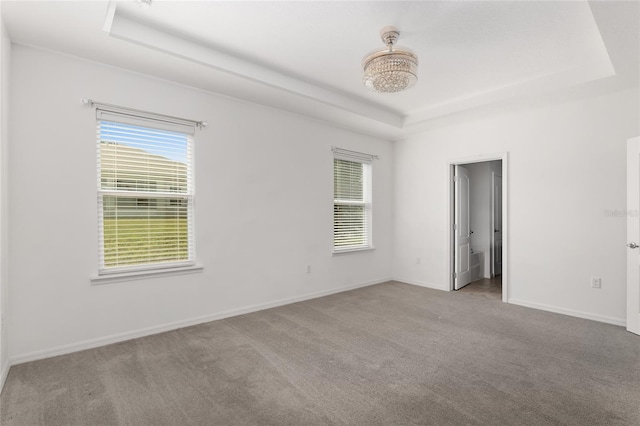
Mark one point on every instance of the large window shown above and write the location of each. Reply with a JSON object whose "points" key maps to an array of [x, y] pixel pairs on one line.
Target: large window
{"points": [[351, 201], [145, 193]]}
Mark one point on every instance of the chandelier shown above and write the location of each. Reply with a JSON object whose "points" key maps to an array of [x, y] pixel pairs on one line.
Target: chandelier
{"points": [[390, 70]]}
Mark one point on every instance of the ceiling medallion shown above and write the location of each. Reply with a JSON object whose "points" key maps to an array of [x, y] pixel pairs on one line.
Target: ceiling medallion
{"points": [[390, 70]]}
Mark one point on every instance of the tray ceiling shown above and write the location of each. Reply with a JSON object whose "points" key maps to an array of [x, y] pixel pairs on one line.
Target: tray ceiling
{"points": [[306, 56]]}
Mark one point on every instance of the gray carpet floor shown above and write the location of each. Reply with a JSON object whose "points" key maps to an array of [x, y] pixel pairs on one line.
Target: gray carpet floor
{"points": [[389, 354]]}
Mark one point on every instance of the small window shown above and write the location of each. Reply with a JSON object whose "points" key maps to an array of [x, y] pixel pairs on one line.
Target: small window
{"points": [[143, 169], [351, 201]]}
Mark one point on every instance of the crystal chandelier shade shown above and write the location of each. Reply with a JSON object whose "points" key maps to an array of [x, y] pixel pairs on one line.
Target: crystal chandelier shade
{"points": [[391, 70]]}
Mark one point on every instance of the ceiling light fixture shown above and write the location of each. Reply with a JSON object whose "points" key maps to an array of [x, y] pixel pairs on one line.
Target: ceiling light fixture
{"points": [[390, 70]]}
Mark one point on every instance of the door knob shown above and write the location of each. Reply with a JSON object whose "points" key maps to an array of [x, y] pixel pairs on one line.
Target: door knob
{"points": [[632, 245]]}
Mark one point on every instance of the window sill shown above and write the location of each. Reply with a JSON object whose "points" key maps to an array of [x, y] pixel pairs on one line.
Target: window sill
{"points": [[143, 275], [353, 250]]}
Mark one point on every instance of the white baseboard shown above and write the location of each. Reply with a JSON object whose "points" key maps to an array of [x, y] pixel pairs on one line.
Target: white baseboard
{"points": [[549, 308], [121, 337], [4, 372], [570, 312], [421, 284]]}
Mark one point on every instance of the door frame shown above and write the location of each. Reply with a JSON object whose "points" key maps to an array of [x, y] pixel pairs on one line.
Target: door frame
{"points": [[504, 157], [632, 234], [492, 260]]}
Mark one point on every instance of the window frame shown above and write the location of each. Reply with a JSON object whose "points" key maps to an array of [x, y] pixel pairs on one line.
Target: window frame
{"points": [[367, 198], [141, 270]]}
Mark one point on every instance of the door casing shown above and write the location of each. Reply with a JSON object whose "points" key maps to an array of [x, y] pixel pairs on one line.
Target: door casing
{"points": [[633, 235], [504, 157], [494, 242]]}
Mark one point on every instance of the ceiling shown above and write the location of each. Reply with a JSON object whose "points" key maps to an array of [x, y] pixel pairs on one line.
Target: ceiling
{"points": [[305, 56]]}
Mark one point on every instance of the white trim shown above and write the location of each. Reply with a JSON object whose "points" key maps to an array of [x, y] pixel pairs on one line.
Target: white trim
{"points": [[421, 284], [555, 309], [504, 157], [143, 274], [149, 267], [492, 261], [4, 372], [571, 312], [108, 20], [482, 158], [121, 337], [353, 250], [632, 235]]}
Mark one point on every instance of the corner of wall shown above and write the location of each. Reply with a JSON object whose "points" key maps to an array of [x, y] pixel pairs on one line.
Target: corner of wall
{"points": [[421, 283], [5, 55], [4, 372]]}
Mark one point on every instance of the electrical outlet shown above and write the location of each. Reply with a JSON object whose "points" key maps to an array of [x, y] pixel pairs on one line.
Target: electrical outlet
{"points": [[596, 282], [308, 269]]}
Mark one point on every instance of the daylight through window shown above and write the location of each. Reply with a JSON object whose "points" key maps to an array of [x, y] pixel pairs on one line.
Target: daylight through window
{"points": [[351, 203], [145, 195]]}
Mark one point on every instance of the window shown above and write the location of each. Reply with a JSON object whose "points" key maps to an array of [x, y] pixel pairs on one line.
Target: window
{"points": [[145, 193], [351, 200]]}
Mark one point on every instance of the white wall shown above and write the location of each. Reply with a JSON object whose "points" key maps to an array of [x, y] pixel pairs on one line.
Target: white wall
{"points": [[264, 193], [5, 58], [566, 168], [259, 168]]}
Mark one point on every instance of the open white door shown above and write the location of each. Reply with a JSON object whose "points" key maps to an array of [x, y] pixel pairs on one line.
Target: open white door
{"points": [[496, 240], [462, 230], [633, 235]]}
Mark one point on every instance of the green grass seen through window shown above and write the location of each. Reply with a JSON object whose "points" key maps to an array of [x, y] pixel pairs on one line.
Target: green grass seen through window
{"points": [[134, 241]]}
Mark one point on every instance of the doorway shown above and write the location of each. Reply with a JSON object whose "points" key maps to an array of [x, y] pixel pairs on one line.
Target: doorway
{"points": [[477, 215]]}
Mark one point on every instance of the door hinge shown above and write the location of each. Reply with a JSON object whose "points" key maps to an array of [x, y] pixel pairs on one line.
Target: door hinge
{"points": [[455, 275], [455, 226]]}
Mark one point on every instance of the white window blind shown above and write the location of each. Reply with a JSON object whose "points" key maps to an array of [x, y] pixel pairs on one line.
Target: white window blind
{"points": [[352, 201], [145, 193]]}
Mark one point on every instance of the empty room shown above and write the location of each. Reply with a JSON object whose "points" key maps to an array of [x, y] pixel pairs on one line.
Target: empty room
{"points": [[319, 213]]}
